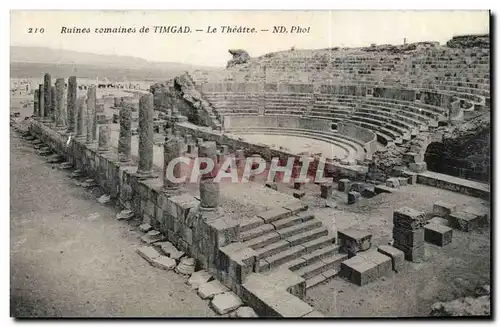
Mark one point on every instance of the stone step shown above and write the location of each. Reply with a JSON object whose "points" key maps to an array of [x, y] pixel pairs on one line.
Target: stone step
{"points": [[262, 241], [293, 220], [284, 256], [320, 253], [299, 228], [272, 249], [317, 241], [313, 281], [317, 267], [308, 236], [256, 232], [323, 277]]}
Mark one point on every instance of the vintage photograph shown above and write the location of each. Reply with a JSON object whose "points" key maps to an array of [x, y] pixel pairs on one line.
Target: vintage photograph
{"points": [[250, 164]]}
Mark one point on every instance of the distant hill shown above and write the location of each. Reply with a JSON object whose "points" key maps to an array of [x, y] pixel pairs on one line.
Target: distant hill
{"points": [[35, 61]]}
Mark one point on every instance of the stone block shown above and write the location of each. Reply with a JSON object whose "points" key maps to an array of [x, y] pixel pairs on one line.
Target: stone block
{"points": [[250, 223], [145, 228], [148, 253], [439, 221], [464, 221], [164, 263], [272, 185], [298, 185], [383, 189], [198, 278], [397, 256], [408, 237], [419, 167], [274, 214], [408, 218], [442, 209], [352, 241], [392, 182], [343, 185], [179, 206], [226, 302], [295, 207], [211, 289], [299, 194], [244, 312], [326, 190], [411, 178], [383, 262], [403, 181], [153, 236], [481, 211], [416, 254], [353, 197], [438, 234], [359, 271]]}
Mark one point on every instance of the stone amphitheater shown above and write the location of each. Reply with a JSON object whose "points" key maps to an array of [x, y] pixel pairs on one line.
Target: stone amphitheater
{"points": [[402, 209]]}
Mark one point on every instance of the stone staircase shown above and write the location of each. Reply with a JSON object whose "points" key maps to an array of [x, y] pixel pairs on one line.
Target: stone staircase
{"points": [[296, 241]]}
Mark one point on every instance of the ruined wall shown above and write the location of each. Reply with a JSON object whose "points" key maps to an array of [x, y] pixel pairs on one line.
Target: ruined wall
{"points": [[248, 122], [177, 217]]}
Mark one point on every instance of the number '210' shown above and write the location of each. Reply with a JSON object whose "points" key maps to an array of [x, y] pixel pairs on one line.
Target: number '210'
{"points": [[36, 30]]}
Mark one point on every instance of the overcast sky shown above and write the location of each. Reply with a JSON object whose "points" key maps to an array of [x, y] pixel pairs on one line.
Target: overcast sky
{"points": [[327, 29]]}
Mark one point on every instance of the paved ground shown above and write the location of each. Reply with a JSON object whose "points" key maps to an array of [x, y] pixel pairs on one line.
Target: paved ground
{"points": [[70, 257]]}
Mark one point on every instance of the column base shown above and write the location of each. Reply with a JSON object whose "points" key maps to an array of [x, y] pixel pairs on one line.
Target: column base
{"points": [[141, 175]]}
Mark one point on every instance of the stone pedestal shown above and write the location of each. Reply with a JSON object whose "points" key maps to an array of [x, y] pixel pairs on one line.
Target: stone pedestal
{"points": [[71, 103], [125, 138], [104, 138], [146, 135]]}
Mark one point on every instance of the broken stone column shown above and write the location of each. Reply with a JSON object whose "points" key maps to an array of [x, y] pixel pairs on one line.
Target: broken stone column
{"points": [[104, 138], [91, 114], [47, 84], [60, 111], [125, 138], [41, 101], [146, 135], [81, 117], [209, 189], [36, 108], [172, 149], [71, 103]]}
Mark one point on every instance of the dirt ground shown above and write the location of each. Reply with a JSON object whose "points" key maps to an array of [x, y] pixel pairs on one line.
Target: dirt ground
{"points": [[70, 257], [447, 273]]}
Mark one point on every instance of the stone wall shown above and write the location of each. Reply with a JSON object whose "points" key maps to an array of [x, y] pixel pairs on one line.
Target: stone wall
{"points": [[359, 133]]}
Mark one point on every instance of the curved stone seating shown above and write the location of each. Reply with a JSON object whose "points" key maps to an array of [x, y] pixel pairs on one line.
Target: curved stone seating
{"points": [[385, 121], [234, 103], [286, 103], [352, 146]]}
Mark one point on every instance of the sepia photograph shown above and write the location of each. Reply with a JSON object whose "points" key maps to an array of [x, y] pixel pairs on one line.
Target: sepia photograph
{"points": [[250, 164]]}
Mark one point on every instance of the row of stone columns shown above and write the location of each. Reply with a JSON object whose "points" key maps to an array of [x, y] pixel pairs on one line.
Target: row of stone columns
{"points": [[80, 118]]}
